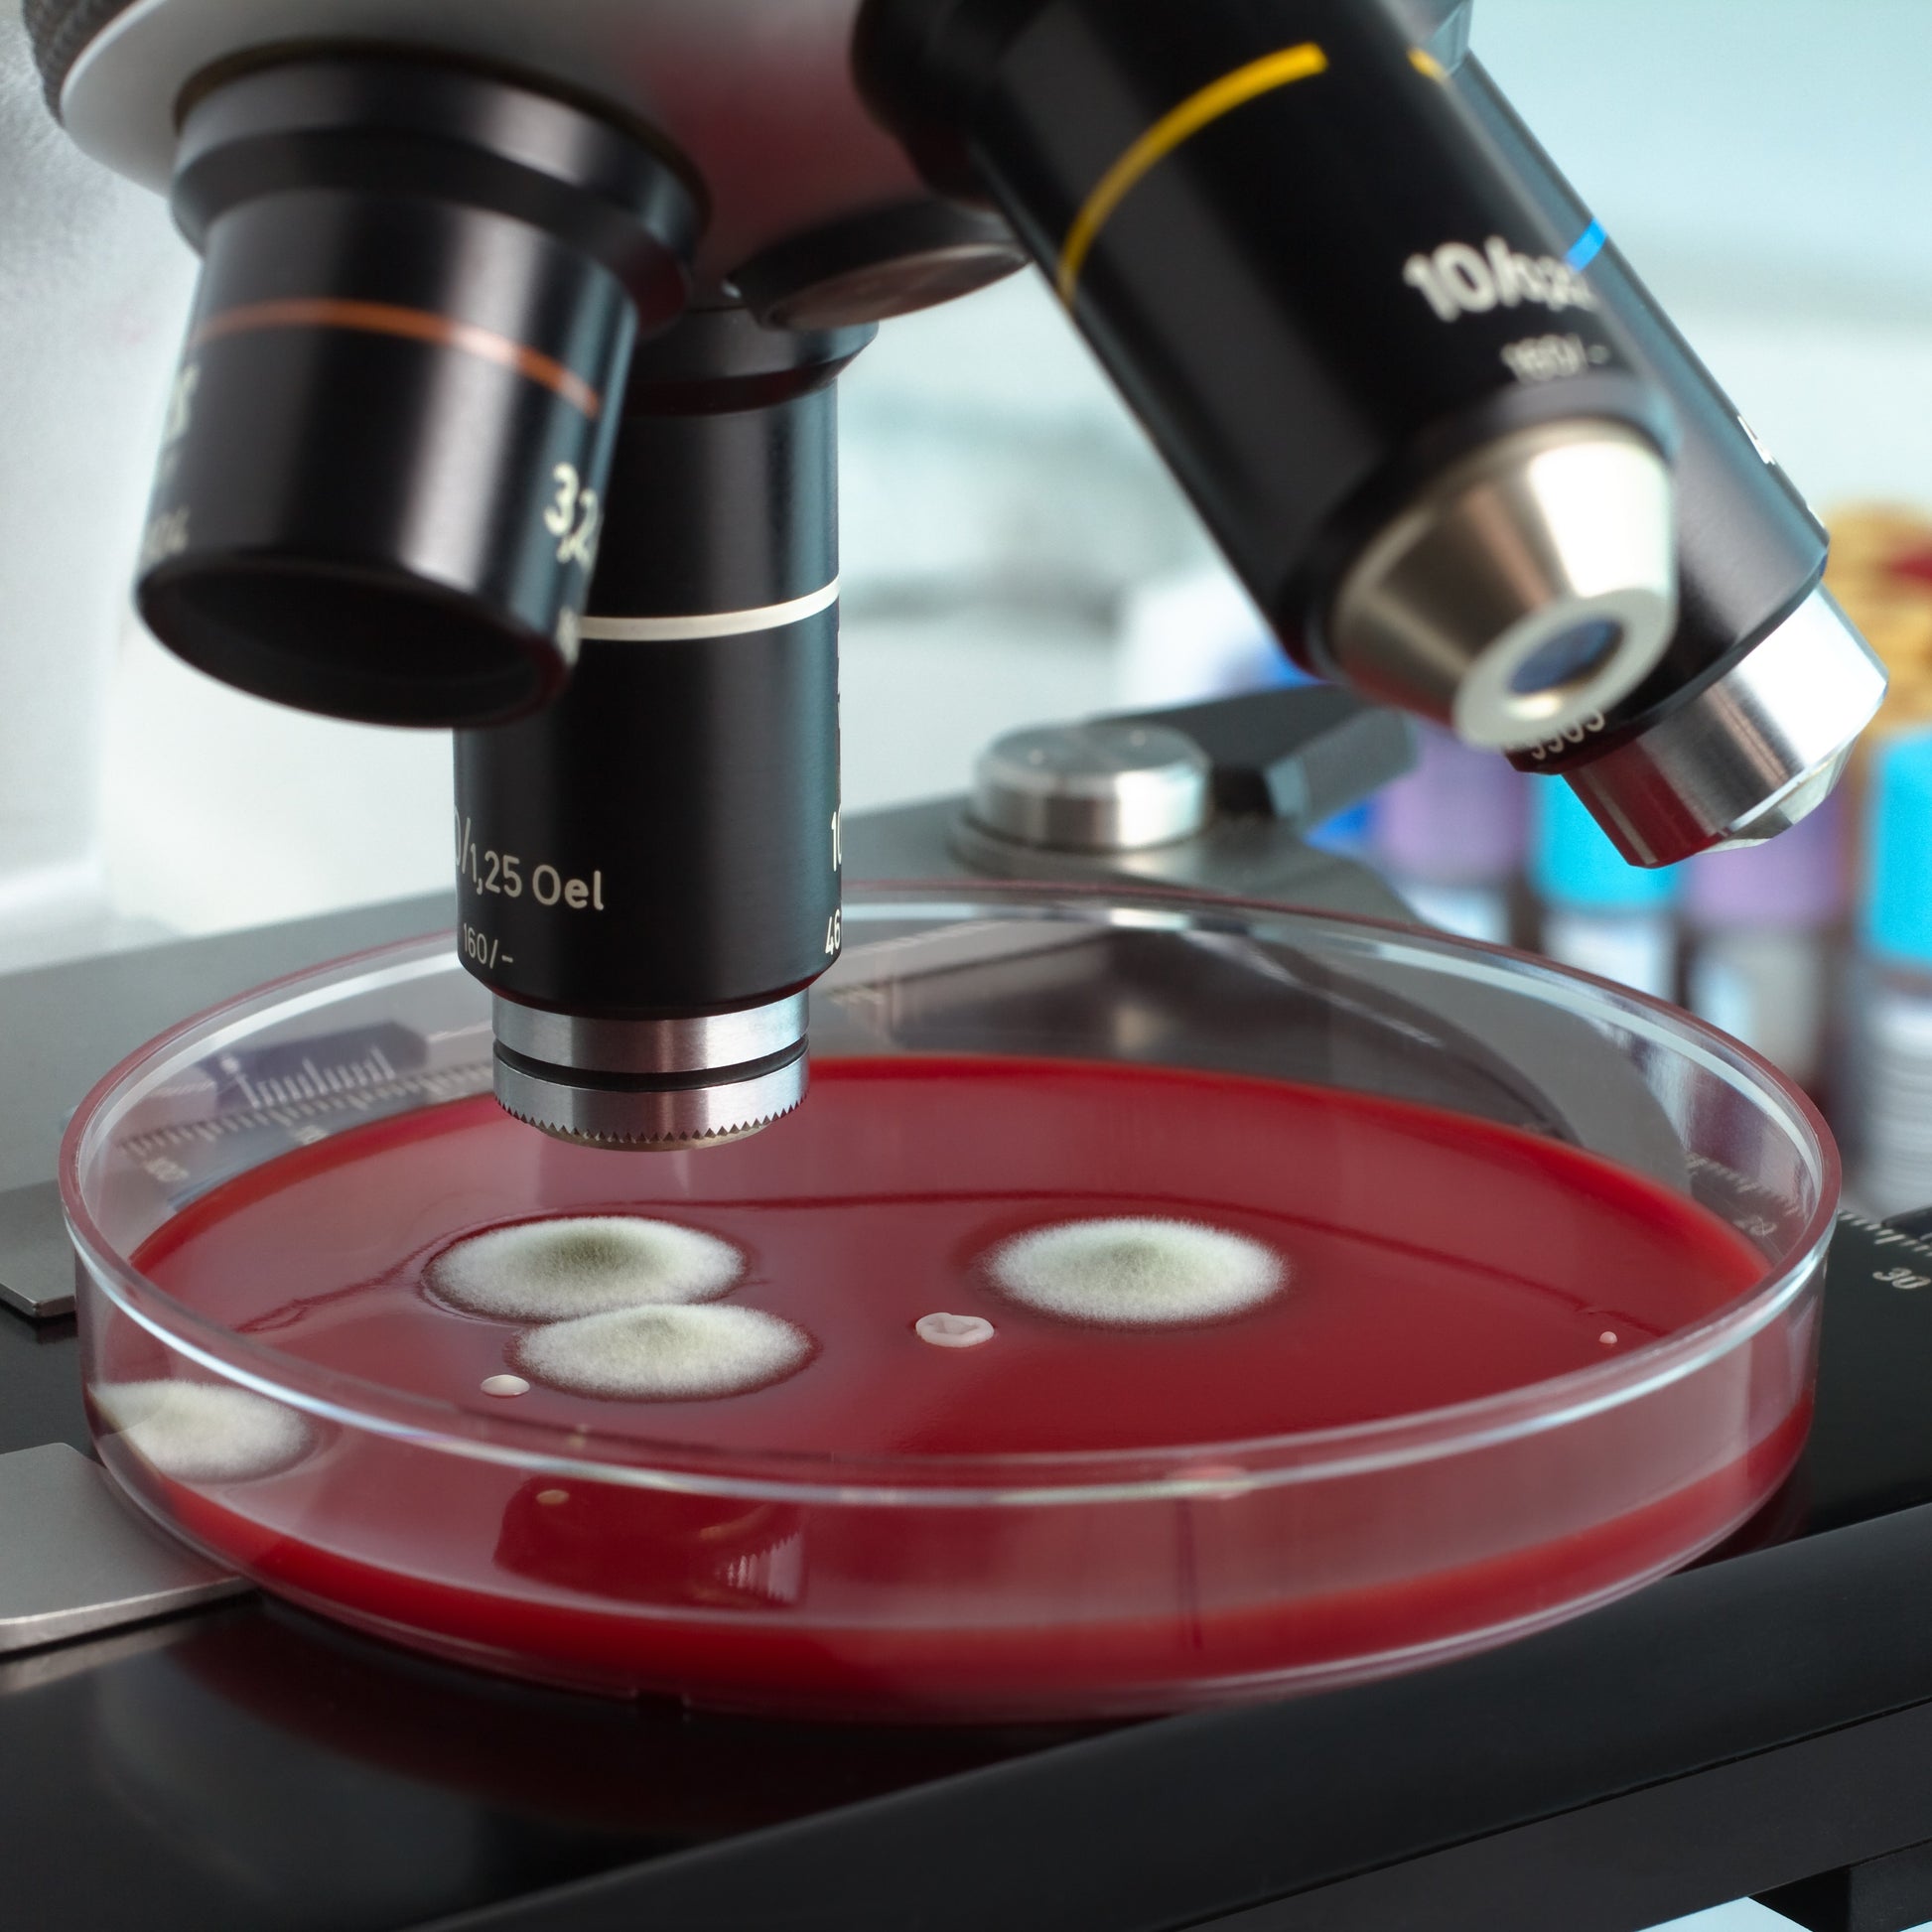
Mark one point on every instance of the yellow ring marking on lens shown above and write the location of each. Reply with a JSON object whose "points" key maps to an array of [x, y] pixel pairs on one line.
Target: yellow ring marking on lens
{"points": [[1167, 134]]}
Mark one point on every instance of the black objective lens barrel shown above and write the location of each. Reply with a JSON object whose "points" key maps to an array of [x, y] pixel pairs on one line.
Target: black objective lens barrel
{"points": [[1750, 717], [649, 869], [382, 488], [1319, 289], [1749, 550]]}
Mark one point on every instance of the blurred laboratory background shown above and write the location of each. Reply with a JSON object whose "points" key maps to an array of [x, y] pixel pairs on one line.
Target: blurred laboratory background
{"points": [[1015, 553]]}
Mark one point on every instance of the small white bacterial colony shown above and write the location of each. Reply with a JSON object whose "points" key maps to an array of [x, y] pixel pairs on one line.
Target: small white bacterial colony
{"points": [[1135, 1272], [204, 1431], [665, 1354], [504, 1385], [953, 1330], [590, 1264]]}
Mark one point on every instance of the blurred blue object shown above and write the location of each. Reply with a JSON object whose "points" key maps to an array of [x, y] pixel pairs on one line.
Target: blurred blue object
{"points": [[1350, 833], [1897, 914], [1573, 864]]}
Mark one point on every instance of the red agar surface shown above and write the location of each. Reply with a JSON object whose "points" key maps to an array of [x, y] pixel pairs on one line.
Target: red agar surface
{"points": [[1430, 1260]]}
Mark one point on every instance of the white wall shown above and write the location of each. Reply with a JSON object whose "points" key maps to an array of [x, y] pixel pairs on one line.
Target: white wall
{"points": [[1767, 167], [93, 286]]}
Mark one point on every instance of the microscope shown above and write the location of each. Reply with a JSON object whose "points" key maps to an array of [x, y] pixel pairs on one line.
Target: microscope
{"points": [[508, 406]]}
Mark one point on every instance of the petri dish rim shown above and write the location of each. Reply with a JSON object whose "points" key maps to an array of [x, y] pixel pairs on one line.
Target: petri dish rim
{"points": [[1220, 1468]]}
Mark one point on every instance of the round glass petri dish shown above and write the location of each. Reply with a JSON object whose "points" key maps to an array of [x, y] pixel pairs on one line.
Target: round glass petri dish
{"points": [[1162, 1301]]}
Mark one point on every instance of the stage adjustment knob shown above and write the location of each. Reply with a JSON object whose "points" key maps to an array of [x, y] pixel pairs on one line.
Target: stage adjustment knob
{"points": [[1100, 788]]}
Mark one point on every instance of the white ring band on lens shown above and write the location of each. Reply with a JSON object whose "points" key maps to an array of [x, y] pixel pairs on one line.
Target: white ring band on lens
{"points": [[714, 623]]}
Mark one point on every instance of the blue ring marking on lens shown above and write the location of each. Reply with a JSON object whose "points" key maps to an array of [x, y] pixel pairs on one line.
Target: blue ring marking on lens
{"points": [[1587, 247]]}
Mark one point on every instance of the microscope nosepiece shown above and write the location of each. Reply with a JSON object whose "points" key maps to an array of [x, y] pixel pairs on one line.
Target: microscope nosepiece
{"points": [[1748, 754], [1522, 590], [693, 1080]]}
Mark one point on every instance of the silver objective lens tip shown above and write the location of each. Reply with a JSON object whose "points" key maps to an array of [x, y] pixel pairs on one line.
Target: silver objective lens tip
{"points": [[1750, 754], [1529, 585], [653, 1085]]}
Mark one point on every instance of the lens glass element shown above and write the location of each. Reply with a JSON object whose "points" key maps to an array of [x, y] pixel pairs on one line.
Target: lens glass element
{"points": [[1571, 655]]}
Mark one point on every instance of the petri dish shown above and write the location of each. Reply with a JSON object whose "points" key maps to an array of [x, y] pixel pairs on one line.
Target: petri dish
{"points": [[1158, 1300]]}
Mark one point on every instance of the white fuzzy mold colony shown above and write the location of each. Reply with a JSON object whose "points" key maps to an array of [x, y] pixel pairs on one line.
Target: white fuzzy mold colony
{"points": [[665, 1354], [593, 1264], [1133, 1273], [202, 1432]]}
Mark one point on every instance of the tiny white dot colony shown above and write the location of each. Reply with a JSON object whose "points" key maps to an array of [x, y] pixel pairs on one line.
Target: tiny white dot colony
{"points": [[953, 1330], [590, 1264], [1135, 1272], [202, 1432], [504, 1385], [665, 1354]]}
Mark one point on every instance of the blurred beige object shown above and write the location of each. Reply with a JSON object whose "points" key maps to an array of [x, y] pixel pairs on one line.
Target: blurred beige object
{"points": [[1874, 538], [1881, 571]]}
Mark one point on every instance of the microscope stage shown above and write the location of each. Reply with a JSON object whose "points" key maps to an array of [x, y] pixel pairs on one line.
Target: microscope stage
{"points": [[1758, 1719]]}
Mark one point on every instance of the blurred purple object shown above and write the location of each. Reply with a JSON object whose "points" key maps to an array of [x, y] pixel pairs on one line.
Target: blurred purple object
{"points": [[1797, 881], [1460, 818]]}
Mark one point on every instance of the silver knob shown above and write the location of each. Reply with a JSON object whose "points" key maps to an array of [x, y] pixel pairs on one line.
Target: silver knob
{"points": [[1100, 788]]}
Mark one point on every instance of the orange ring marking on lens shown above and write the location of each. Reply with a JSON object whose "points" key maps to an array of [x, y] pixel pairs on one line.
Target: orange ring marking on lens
{"points": [[412, 325]]}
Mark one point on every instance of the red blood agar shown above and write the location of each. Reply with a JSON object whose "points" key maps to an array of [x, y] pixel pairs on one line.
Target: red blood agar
{"points": [[1432, 1260]]}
